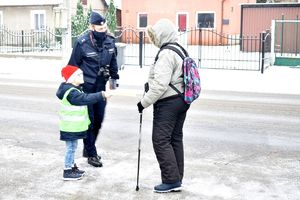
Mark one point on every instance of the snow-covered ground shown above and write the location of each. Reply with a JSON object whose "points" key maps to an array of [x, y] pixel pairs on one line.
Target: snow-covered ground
{"points": [[275, 79], [240, 159]]}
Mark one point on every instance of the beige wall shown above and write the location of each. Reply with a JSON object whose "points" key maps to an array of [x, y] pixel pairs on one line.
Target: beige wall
{"points": [[19, 18], [29, 2], [95, 4]]}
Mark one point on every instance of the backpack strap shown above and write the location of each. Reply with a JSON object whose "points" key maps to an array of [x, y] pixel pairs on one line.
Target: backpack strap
{"points": [[171, 47], [168, 45], [177, 44], [174, 88]]}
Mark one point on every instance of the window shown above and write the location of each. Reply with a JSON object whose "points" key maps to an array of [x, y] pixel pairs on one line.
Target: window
{"points": [[206, 20], [38, 18], [142, 20], [182, 21]]}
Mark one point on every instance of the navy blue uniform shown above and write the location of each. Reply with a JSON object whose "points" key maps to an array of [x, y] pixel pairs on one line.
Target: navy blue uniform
{"points": [[92, 56]]}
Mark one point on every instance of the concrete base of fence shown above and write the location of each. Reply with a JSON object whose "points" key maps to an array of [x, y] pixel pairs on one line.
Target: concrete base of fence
{"points": [[287, 61], [55, 56]]}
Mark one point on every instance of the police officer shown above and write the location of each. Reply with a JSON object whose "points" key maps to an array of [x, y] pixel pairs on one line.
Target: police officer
{"points": [[95, 54]]}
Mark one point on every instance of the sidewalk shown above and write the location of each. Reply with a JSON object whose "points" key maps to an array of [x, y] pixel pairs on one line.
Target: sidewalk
{"points": [[234, 150], [276, 79]]}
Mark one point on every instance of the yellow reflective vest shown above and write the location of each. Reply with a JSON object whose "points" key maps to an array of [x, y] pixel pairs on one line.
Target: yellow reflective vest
{"points": [[73, 118]]}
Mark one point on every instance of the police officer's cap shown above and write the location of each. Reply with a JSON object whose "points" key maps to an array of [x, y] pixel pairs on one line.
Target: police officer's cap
{"points": [[97, 19]]}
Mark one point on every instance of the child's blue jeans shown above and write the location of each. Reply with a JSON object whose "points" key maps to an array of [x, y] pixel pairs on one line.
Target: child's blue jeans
{"points": [[71, 147]]}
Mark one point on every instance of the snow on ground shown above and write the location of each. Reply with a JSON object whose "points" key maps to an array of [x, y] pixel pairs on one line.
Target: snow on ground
{"points": [[276, 79]]}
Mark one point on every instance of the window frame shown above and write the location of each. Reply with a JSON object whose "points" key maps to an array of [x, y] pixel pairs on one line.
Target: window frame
{"points": [[206, 12], [39, 12], [187, 20], [138, 19]]}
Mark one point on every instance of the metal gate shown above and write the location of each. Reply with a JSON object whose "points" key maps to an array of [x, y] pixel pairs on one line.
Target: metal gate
{"points": [[220, 51], [211, 49], [286, 43], [29, 40]]}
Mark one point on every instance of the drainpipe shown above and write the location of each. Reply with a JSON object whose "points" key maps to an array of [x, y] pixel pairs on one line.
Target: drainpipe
{"points": [[222, 16]]}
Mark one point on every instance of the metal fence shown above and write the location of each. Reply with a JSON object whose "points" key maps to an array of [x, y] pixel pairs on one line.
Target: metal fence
{"points": [[286, 42], [29, 40], [228, 51], [211, 49], [287, 38], [265, 46]]}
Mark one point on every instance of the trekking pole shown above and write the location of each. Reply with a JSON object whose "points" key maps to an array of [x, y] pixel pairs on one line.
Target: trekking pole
{"points": [[139, 153]]}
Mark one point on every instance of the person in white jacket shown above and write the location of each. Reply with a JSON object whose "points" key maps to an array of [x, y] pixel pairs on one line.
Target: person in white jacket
{"points": [[169, 107]]}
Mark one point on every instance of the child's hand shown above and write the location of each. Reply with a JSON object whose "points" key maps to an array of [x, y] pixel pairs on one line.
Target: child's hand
{"points": [[107, 94]]}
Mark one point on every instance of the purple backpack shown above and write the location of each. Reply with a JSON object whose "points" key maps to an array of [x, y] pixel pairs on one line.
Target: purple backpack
{"points": [[191, 78]]}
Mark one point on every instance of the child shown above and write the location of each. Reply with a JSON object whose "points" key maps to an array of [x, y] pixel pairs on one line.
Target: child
{"points": [[74, 118]]}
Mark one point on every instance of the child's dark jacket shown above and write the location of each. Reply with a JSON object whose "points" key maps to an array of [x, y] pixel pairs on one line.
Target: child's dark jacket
{"points": [[78, 99]]}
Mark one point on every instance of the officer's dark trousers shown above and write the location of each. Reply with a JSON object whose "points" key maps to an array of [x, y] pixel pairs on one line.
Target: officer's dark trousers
{"points": [[96, 114], [168, 119]]}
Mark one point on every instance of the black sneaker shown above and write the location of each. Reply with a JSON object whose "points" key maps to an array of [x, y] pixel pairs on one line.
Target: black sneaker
{"points": [[168, 187], [76, 169], [85, 154], [95, 161], [70, 175]]}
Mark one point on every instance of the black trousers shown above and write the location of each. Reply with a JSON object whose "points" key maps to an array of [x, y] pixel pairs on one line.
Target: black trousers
{"points": [[96, 114], [168, 119]]}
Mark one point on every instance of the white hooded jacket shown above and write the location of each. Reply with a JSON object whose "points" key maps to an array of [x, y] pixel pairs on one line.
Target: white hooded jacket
{"points": [[168, 67]]}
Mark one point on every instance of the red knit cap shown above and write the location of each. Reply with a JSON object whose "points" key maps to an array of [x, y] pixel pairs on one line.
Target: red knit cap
{"points": [[67, 71]]}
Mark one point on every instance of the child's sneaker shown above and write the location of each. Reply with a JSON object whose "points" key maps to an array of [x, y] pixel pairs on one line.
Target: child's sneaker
{"points": [[71, 175], [76, 169]]}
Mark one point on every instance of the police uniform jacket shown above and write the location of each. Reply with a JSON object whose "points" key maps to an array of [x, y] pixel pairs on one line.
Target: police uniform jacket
{"points": [[89, 56]]}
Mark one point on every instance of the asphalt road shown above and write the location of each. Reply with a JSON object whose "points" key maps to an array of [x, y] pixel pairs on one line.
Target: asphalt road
{"points": [[237, 146]]}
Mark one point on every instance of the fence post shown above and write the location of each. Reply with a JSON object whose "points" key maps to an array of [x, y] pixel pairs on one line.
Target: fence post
{"points": [[199, 46], [22, 41], [297, 34], [282, 31], [263, 35], [141, 37]]}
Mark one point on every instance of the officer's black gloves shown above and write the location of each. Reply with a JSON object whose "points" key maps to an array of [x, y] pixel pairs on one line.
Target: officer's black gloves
{"points": [[140, 107]]}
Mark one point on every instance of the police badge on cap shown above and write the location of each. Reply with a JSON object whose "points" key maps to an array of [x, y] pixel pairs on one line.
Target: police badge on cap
{"points": [[97, 19]]}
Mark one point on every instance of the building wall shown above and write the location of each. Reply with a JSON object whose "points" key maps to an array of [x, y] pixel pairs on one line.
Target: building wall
{"points": [[155, 10], [19, 17], [232, 11], [258, 18], [29, 2], [96, 5], [16, 15]]}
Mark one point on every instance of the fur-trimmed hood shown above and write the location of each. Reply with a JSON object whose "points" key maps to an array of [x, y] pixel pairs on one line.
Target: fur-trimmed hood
{"points": [[162, 32]]}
